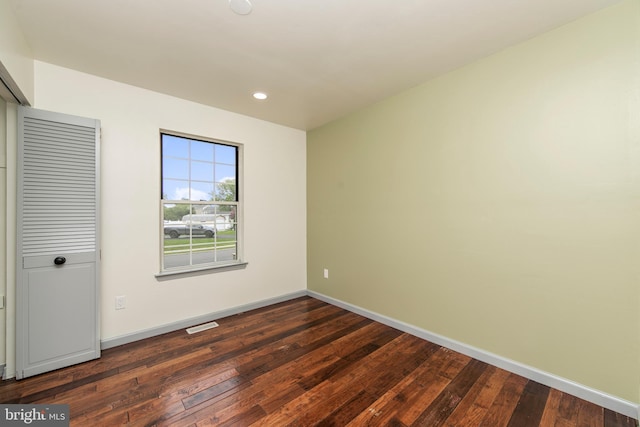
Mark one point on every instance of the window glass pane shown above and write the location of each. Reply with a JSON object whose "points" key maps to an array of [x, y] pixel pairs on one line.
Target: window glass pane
{"points": [[176, 245], [175, 212], [175, 168], [202, 191], [202, 151], [175, 146], [226, 190], [232, 218], [225, 154], [224, 172], [176, 253], [175, 189], [199, 231], [203, 251], [201, 171], [222, 217], [227, 245]]}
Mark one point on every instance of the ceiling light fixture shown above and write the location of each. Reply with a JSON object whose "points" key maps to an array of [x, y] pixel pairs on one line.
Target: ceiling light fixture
{"points": [[260, 95], [241, 7]]}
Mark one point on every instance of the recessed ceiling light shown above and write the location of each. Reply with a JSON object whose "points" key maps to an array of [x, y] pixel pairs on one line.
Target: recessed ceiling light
{"points": [[241, 7], [260, 95]]}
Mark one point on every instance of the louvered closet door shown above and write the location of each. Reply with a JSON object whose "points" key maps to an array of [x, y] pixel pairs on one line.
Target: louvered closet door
{"points": [[57, 321]]}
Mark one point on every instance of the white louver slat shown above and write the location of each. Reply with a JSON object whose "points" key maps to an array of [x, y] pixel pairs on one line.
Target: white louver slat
{"points": [[57, 241], [59, 183]]}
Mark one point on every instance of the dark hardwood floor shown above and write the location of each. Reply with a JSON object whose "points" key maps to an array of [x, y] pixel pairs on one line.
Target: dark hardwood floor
{"points": [[300, 363]]}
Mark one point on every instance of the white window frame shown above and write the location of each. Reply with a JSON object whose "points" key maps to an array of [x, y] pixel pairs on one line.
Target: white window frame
{"points": [[239, 261]]}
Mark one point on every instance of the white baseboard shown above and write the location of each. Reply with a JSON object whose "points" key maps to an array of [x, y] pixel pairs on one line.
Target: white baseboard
{"points": [[183, 324], [605, 400]]}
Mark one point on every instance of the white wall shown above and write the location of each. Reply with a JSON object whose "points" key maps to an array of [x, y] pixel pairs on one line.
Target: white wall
{"points": [[16, 63], [275, 200], [8, 240], [3, 223], [8, 129], [15, 52]]}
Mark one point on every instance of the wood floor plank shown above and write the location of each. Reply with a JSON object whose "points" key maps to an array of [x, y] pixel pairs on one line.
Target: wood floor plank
{"points": [[475, 404], [212, 410], [241, 419], [443, 406], [107, 418], [348, 411], [505, 402], [172, 396], [590, 415], [286, 354], [550, 412], [383, 409], [278, 362], [276, 380], [350, 352], [413, 393], [301, 362], [614, 419], [569, 408], [371, 375], [242, 408], [213, 391], [530, 407]]}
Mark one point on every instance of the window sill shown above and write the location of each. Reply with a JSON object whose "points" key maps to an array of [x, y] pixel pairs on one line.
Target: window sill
{"points": [[201, 270]]}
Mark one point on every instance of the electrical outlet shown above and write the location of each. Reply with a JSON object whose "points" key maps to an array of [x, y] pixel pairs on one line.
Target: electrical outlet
{"points": [[121, 302], [326, 273]]}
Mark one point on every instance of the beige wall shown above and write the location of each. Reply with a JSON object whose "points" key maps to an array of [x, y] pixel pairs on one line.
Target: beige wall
{"points": [[498, 205], [274, 196]]}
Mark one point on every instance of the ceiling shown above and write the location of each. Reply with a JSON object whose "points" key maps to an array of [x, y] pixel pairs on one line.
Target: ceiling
{"points": [[317, 59]]}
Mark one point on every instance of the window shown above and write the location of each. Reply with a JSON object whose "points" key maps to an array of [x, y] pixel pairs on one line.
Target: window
{"points": [[200, 203]]}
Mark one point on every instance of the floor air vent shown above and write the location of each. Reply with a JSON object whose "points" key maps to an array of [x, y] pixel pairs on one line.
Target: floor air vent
{"points": [[202, 327]]}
